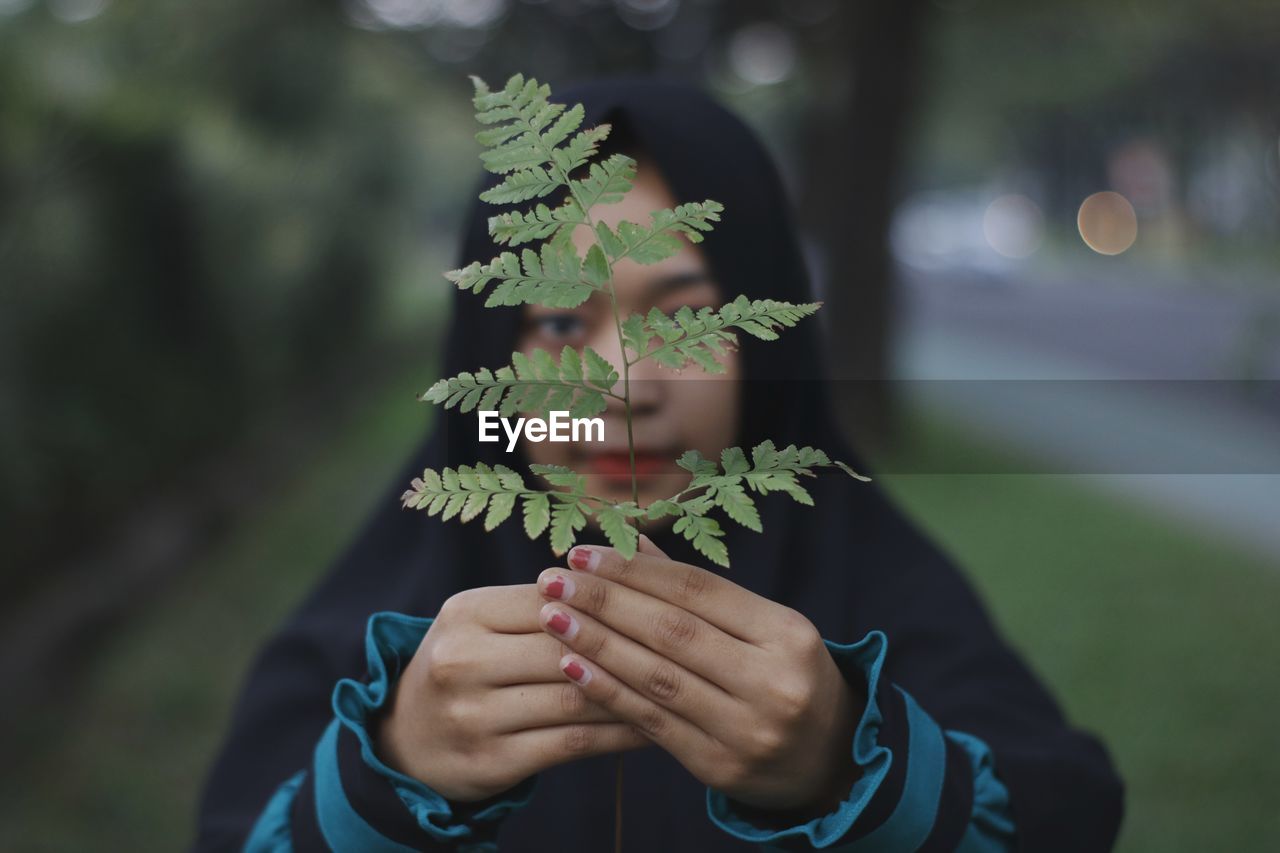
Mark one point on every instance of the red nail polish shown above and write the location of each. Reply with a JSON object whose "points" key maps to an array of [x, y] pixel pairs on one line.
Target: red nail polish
{"points": [[555, 588], [560, 623], [579, 558], [574, 670]]}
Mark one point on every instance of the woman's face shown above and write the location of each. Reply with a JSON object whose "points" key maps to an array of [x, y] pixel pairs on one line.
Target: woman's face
{"points": [[671, 411]]}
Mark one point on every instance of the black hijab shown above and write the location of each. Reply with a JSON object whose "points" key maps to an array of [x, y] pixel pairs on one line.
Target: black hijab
{"points": [[851, 564]]}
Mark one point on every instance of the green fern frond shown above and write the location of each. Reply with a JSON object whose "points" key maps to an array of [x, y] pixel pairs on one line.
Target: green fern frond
{"points": [[706, 535], [469, 490], [701, 336], [659, 240], [537, 383], [580, 149], [567, 518], [466, 492], [615, 522], [537, 514], [514, 228], [522, 185], [525, 132], [725, 487], [606, 182], [554, 276], [572, 508], [536, 146]]}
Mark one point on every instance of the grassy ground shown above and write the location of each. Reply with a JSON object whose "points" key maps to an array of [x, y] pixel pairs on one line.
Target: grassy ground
{"points": [[128, 749], [1160, 639]]}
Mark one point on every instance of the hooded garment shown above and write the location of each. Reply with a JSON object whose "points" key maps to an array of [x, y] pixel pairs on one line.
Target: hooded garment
{"points": [[852, 563]]}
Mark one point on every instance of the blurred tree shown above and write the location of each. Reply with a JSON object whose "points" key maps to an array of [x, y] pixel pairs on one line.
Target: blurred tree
{"points": [[202, 210], [869, 59]]}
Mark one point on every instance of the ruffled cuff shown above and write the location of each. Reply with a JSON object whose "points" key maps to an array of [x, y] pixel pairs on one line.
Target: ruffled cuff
{"points": [[916, 788], [361, 802]]}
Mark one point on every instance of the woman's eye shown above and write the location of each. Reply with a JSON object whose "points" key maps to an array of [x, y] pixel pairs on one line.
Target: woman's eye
{"points": [[559, 326]]}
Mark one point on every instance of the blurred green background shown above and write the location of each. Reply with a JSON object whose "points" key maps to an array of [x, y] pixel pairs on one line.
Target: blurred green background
{"points": [[222, 227]]}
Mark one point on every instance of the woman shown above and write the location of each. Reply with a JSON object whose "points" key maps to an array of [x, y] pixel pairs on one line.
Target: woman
{"points": [[912, 727]]}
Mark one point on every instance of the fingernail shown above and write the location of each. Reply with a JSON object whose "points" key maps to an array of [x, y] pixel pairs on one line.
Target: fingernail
{"points": [[560, 622], [558, 586], [576, 671], [584, 559]]}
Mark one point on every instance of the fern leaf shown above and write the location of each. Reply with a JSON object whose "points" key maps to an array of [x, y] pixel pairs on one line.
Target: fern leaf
{"points": [[569, 121], [537, 514], [516, 227], [725, 487], [600, 371], [699, 337], [537, 144], [465, 492], [648, 244], [734, 461], [522, 185], [500, 508], [696, 464], [474, 505], [531, 385], [581, 148], [635, 336], [737, 504], [706, 535], [567, 518], [558, 475], [622, 535], [552, 277], [606, 182], [595, 268], [513, 156]]}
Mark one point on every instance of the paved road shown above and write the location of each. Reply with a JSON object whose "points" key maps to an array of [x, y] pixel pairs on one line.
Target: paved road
{"points": [[1171, 394]]}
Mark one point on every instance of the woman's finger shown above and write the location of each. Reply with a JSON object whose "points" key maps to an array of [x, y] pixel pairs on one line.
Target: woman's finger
{"points": [[554, 745], [645, 546], [721, 602], [534, 706], [506, 609], [668, 630], [685, 741], [499, 660], [659, 681]]}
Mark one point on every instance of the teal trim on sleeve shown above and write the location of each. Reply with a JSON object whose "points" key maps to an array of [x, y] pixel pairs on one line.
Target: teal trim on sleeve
{"points": [[391, 639], [912, 819], [991, 830], [270, 834], [863, 659], [343, 828]]}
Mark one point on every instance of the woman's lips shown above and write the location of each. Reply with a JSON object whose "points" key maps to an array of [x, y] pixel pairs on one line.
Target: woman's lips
{"points": [[617, 466]]}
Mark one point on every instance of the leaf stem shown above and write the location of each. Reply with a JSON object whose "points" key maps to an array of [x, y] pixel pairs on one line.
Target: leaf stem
{"points": [[631, 450]]}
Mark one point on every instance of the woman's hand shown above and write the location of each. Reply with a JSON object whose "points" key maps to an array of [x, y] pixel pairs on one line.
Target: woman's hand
{"points": [[483, 705], [740, 689]]}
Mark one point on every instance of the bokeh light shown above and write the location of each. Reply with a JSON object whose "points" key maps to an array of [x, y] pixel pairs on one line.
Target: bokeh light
{"points": [[1107, 223], [420, 14], [13, 7], [1013, 226], [647, 14], [762, 54], [77, 11]]}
